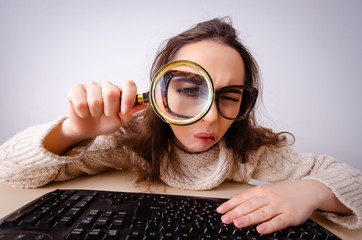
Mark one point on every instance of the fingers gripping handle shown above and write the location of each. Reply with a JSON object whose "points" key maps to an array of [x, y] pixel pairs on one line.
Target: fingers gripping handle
{"points": [[140, 98]]}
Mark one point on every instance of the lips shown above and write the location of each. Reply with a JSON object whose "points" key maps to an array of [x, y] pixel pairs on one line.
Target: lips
{"points": [[205, 138]]}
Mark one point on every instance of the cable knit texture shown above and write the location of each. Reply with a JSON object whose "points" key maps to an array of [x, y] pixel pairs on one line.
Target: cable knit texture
{"points": [[24, 162], [197, 171]]}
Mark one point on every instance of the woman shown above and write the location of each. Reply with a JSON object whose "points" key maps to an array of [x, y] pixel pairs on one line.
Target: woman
{"points": [[98, 135]]}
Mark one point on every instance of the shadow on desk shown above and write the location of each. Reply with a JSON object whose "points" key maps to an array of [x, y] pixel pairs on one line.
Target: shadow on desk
{"points": [[124, 181]]}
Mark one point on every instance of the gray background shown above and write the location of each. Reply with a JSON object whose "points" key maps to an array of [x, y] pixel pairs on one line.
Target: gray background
{"points": [[310, 54]]}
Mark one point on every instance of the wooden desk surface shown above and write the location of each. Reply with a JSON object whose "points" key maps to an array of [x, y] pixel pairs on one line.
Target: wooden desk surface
{"points": [[124, 181]]}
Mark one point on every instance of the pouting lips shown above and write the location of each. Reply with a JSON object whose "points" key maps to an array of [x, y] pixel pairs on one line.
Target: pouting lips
{"points": [[206, 138]]}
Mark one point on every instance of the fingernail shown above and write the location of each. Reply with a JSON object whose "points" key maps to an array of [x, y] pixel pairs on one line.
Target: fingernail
{"points": [[260, 229], [239, 222], [220, 209], [226, 219]]}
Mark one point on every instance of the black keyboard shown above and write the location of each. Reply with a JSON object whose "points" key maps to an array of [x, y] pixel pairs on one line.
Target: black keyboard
{"points": [[88, 214]]}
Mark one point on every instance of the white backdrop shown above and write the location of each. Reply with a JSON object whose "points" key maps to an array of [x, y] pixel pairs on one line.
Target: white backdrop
{"points": [[310, 54]]}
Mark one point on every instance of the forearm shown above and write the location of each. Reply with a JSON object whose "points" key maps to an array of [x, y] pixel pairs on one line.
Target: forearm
{"points": [[61, 138], [327, 201], [338, 186], [24, 160]]}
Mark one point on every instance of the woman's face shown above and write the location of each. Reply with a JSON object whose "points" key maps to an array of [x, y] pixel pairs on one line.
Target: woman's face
{"points": [[226, 67]]}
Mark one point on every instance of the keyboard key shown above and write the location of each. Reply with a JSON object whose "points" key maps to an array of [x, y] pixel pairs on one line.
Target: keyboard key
{"points": [[225, 229], [150, 235], [30, 220], [81, 204], [210, 230], [74, 212], [166, 228], [86, 222], [207, 237], [76, 234], [47, 221], [111, 235], [109, 214], [134, 234], [196, 230], [102, 223], [117, 223], [183, 236], [122, 214], [138, 224], [116, 201], [167, 236], [65, 221], [94, 234], [75, 197], [93, 212], [12, 220], [182, 228]]}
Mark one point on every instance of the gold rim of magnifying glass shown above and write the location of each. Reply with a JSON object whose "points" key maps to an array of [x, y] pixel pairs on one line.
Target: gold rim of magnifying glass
{"points": [[162, 71]]}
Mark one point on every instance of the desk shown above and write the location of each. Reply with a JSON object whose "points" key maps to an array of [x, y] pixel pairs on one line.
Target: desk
{"points": [[124, 181]]}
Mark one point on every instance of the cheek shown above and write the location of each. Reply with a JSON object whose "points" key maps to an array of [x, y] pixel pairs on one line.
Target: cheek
{"points": [[175, 131], [179, 131], [225, 125], [183, 133]]}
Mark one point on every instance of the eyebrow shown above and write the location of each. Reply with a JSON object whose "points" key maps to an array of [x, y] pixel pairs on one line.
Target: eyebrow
{"points": [[183, 76]]}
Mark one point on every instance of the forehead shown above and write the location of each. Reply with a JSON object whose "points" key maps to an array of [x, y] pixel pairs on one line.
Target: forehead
{"points": [[222, 62]]}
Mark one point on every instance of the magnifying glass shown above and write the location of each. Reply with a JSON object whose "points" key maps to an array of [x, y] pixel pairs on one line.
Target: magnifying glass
{"points": [[181, 92]]}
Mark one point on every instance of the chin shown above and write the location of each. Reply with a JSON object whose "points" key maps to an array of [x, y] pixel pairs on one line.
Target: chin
{"points": [[194, 147], [197, 149]]}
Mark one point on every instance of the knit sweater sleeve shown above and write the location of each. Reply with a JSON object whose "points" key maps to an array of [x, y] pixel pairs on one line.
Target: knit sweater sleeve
{"points": [[283, 164], [24, 162]]}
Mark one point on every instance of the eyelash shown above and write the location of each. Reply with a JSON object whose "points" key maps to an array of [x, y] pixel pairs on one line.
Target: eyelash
{"points": [[231, 99], [188, 91]]}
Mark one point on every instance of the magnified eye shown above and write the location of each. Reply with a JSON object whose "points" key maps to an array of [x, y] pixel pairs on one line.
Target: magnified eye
{"points": [[189, 92], [185, 86], [181, 92]]}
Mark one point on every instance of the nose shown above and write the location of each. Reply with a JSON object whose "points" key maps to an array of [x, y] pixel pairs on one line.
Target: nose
{"points": [[212, 115]]}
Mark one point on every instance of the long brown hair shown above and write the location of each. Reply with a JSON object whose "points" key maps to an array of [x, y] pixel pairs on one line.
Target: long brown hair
{"points": [[152, 138]]}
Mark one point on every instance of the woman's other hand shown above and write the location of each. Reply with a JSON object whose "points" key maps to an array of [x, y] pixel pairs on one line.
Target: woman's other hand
{"points": [[277, 206]]}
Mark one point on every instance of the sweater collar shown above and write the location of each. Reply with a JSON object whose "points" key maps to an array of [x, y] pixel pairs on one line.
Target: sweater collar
{"points": [[197, 171]]}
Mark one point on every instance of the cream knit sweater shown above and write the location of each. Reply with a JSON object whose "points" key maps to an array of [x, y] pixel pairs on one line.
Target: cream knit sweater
{"points": [[24, 162]]}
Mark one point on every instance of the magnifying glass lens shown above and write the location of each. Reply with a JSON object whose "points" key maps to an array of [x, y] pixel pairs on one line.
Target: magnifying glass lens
{"points": [[182, 93]]}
